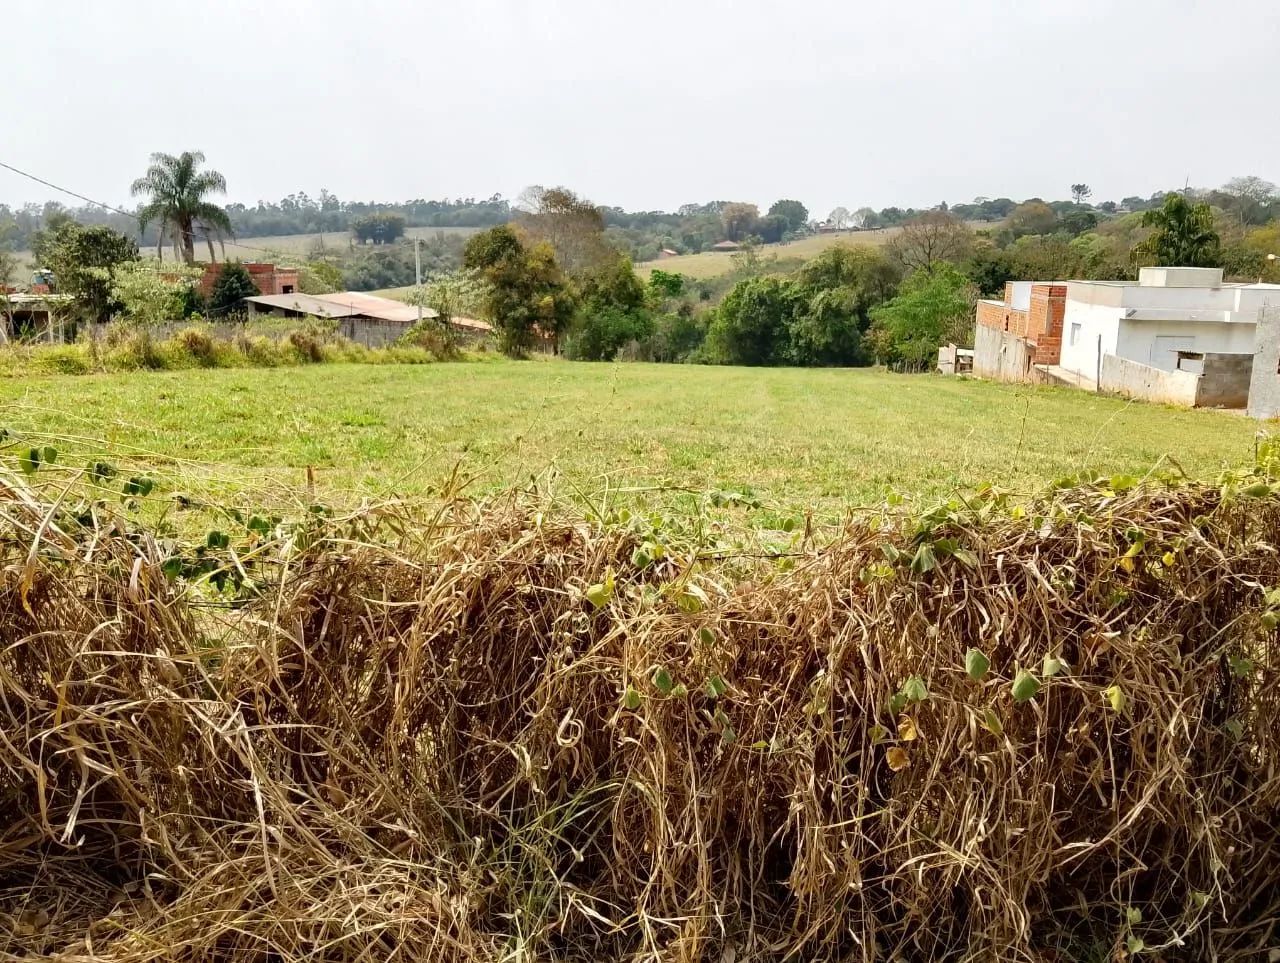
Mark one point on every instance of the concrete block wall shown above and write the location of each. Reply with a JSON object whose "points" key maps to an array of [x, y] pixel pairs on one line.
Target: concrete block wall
{"points": [[1264, 380], [372, 333], [1002, 355], [1224, 382], [1130, 379]]}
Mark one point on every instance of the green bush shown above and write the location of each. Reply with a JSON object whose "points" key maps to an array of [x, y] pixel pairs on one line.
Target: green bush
{"points": [[307, 345], [432, 337], [601, 334], [132, 348], [199, 344]]}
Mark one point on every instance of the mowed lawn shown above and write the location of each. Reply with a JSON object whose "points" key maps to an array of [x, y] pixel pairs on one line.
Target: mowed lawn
{"points": [[823, 438]]}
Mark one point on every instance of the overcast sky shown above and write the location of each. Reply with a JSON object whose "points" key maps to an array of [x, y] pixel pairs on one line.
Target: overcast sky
{"points": [[645, 105]]}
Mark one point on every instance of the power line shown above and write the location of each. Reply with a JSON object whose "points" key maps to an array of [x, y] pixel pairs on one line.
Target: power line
{"points": [[116, 210]]}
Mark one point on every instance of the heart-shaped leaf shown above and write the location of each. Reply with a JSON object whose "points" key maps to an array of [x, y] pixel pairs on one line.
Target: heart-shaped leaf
{"points": [[663, 682], [976, 664], [897, 759], [631, 699], [1115, 698], [1052, 666], [1025, 686], [915, 690], [907, 731], [1241, 668], [599, 594]]}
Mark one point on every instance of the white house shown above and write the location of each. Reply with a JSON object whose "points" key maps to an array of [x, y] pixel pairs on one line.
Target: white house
{"points": [[1169, 310]]}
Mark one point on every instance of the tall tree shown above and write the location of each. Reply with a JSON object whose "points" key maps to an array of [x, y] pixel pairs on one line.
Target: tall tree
{"points": [[1183, 236], [793, 212], [525, 293], [83, 261], [865, 218], [178, 193], [572, 225], [931, 309], [739, 220], [381, 227], [930, 239], [1252, 199], [839, 218], [1033, 217], [1080, 191]]}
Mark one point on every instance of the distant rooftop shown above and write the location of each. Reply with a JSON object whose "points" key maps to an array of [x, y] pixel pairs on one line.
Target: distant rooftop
{"points": [[304, 303]]}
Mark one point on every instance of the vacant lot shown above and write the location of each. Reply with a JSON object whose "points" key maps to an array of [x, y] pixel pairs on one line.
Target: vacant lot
{"points": [[826, 438]]}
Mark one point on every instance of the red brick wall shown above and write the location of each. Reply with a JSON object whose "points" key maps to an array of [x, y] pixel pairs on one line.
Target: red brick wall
{"points": [[268, 278], [1002, 317], [1044, 321]]}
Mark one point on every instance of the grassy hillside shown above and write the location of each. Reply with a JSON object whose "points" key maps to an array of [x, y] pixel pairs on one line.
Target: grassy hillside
{"points": [[258, 248], [815, 438], [709, 264]]}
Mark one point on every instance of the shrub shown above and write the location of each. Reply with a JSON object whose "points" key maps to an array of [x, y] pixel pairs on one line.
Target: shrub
{"points": [[198, 344], [600, 334], [308, 345], [129, 349], [432, 337]]}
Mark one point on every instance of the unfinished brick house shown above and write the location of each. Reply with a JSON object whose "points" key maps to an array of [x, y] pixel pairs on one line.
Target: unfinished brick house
{"points": [[268, 278], [1033, 310]]}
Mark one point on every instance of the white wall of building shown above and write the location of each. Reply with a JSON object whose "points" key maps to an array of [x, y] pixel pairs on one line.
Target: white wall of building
{"points": [[1169, 319], [1020, 295], [1083, 326], [1155, 343]]}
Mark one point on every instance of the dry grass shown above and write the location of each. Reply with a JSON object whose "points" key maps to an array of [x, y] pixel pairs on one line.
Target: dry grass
{"points": [[498, 734]]}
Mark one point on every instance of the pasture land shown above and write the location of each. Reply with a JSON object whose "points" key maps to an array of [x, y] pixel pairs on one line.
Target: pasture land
{"points": [[821, 439], [711, 264], [283, 245]]}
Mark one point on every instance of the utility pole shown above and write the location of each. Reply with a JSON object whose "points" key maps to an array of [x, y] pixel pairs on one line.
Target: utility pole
{"points": [[417, 272]]}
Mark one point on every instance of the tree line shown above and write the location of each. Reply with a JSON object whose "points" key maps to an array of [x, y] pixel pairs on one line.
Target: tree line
{"points": [[557, 270], [554, 276]]}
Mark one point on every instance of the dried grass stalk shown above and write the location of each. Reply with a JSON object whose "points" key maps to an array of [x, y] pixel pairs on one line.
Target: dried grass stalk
{"points": [[437, 748]]}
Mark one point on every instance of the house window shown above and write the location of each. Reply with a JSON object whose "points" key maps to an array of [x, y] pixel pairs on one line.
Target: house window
{"points": [[1075, 334], [286, 289]]}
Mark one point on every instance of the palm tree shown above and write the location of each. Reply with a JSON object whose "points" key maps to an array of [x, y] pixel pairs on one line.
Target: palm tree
{"points": [[1183, 236], [178, 190]]}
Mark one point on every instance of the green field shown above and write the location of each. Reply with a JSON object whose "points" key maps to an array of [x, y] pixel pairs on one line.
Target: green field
{"points": [[292, 245], [711, 264], [822, 438]]}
